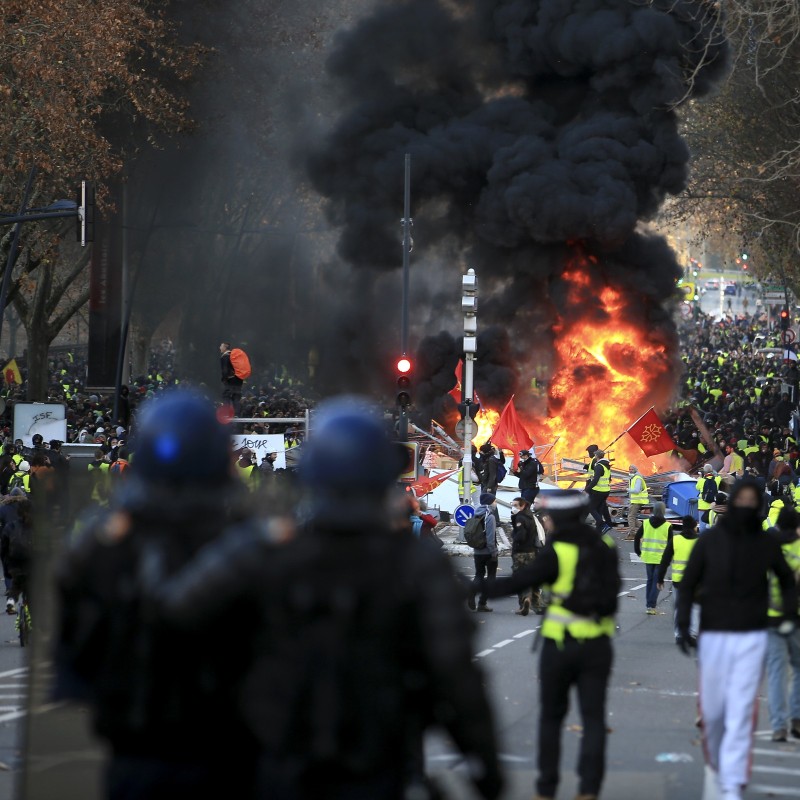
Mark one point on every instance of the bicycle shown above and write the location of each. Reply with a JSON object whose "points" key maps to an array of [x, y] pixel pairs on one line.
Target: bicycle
{"points": [[23, 623]]}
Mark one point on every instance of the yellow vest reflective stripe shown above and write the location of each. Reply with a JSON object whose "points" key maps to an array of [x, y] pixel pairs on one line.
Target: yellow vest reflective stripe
{"points": [[791, 552], [637, 489], [654, 541], [604, 484], [682, 548], [558, 620]]}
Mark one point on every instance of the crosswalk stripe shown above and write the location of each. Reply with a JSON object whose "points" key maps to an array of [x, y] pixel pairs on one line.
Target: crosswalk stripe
{"points": [[776, 770], [774, 791], [760, 751]]}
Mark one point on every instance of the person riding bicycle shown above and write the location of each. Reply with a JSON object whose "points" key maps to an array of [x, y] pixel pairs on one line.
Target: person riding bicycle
{"points": [[16, 551]]}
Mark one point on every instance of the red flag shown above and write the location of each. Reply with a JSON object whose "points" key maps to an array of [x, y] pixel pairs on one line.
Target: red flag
{"points": [[649, 433], [510, 433], [427, 484], [455, 392]]}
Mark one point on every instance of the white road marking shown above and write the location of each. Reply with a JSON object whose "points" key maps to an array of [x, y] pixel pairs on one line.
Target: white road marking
{"points": [[776, 770], [484, 653], [12, 696], [525, 633], [10, 672], [760, 751], [632, 589], [635, 559], [502, 644]]}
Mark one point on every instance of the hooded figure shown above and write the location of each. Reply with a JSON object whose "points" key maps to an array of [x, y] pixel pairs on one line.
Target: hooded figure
{"points": [[728, 571]]}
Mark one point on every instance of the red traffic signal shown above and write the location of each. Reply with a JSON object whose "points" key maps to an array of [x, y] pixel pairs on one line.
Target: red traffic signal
{"points": [[404, 365], [785, 319]]}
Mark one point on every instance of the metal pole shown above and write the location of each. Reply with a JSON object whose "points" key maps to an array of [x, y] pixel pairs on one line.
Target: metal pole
{"points": [[406, 252], [469, 305], [12, 251], [402, 421]]}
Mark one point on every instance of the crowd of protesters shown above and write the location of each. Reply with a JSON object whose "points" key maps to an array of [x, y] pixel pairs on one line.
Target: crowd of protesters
{"points": [[738, 396], [272, 392]]}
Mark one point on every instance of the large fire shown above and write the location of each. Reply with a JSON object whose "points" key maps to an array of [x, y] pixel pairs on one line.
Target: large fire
{"points": [[608, 371], [486, 420]]}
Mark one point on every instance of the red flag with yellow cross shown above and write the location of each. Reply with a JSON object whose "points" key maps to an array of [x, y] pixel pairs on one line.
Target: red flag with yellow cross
{"points": [[650, 434]]}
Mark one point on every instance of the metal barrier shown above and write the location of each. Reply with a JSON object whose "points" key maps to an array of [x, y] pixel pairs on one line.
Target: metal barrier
{"points": [[305, 420]]}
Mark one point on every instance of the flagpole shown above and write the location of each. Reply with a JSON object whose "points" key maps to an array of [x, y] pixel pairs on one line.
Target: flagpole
{"points": [[551, 447], [652, 408]]}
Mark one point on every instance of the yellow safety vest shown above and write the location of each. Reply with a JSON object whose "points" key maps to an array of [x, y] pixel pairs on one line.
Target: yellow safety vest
{"points": [[558, 620], [604, 484], [682, 549], [772, 516], [791, 552], [100, 490], [247, 474], [654, 541], [26, 480], [737, 464], [638, 496]]}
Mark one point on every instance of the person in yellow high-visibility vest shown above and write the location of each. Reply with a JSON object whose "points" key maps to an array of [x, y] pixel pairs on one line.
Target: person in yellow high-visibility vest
{"points": [[707, 485], [598, 488], [783, 652], [576, 646], [677, 552], [637, 498], [650, 543]]}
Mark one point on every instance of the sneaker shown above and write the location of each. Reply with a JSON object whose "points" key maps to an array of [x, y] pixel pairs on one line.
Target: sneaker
{"points": [[484, 607], [651, 611], [526, 607], [779, 735], [11, 607]]}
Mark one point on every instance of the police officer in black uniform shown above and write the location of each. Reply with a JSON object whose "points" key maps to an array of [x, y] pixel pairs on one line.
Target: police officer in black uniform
{"points": [[362, 640], [162, 699], [582, 572]]}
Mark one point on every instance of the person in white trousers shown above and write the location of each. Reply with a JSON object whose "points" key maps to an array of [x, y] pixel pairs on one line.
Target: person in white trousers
{"points": [[728, 574]]}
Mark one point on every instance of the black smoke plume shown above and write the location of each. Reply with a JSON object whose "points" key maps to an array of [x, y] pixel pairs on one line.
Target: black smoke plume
{"points": [[533, 126]]}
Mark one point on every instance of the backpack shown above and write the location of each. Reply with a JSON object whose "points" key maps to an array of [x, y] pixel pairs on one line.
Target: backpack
{"points": [[475, 532], [240, 363], [17, 482], [710, 490], [118, 468], [501, 471], [20, 541], [594, 593]]}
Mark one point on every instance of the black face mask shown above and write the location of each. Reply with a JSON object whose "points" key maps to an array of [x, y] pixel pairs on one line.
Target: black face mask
{"points": [[748, 518]]}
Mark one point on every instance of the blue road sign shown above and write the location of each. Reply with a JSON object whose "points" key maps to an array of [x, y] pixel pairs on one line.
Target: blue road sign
{"points": [[462, 514]]}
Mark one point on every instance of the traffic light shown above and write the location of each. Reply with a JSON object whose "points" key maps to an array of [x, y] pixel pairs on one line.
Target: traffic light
{"points": [[403, 382], [745, 256], [785, 319]]}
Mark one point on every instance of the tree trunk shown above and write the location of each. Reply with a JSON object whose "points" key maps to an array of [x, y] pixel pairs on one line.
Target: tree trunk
{"points": [[38, 373]]}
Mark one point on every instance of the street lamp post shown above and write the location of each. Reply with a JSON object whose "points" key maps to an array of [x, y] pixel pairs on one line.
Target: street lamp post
{"points": [[469, 306]]}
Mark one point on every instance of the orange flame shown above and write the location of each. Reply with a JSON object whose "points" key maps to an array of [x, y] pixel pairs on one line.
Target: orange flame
{"points": [[608, 370], [485, 419]]}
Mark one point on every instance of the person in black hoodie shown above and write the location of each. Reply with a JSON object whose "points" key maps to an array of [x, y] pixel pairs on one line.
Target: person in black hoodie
{"points": [[524, 543], [679, 547], [728, 573]]}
